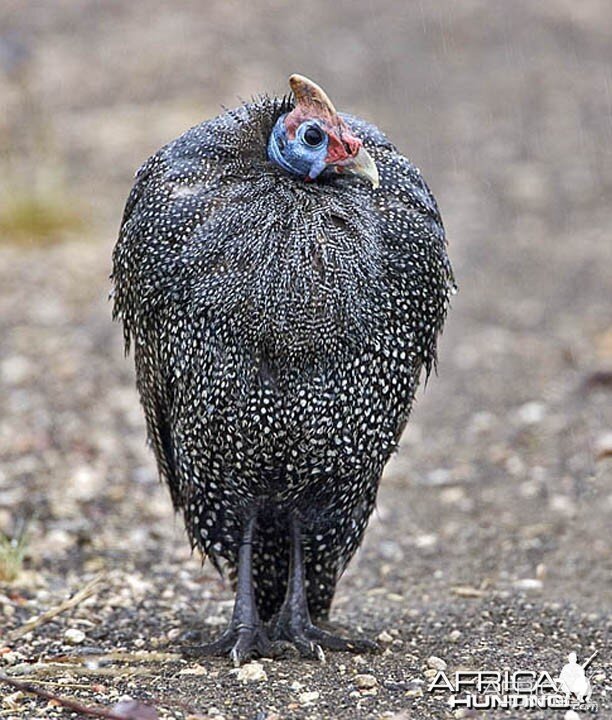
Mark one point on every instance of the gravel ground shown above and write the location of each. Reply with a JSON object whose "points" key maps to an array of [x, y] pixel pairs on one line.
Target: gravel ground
{"points": [[490, 547]]}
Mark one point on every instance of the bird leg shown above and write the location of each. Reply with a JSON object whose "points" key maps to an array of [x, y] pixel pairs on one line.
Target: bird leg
{"points": [[293, 623], [245, 635]]}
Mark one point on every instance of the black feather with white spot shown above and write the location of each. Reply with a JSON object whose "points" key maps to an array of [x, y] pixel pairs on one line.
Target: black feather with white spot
{"points": [[279, 331]]}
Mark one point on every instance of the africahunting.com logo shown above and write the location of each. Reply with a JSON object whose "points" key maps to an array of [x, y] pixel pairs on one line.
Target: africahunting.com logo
{"points": [[490, 689]]}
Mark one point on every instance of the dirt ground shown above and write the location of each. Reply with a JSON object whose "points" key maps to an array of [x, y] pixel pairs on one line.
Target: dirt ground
{"points": [[490, 548]]}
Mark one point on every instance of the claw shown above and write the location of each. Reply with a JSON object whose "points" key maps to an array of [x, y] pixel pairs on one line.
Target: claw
{"points": [[241, 643], [320, 654], [310, 640]]}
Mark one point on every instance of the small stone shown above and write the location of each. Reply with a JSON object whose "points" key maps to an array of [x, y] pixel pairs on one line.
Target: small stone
{"points": [[440, 476], [12, 701], [468, 592], [251, 672], [306, 698], [571, 715], [563, 505], [385, 638], [425, 541], [215, 620], [528, 584], [603, 446], [480, 423], [430, 673], [74, 636], [16, 370], [452, 495], [531, 413], [12, 657], [436, 663], [194, 670], [454, 635], [365, 681]]}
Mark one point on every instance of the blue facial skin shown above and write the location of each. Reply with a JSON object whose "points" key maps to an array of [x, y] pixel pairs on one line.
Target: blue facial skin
{"points": [[299, 156]]}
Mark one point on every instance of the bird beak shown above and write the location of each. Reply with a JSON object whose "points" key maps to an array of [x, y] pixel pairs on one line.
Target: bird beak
{"points": [[361, 165]]}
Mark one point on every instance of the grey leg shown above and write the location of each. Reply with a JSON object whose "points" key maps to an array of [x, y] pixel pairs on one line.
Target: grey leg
{"points": [[293, 623], [245, 636]]}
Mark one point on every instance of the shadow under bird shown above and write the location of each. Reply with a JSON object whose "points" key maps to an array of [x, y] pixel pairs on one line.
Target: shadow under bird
{"points": [[281, 274]]}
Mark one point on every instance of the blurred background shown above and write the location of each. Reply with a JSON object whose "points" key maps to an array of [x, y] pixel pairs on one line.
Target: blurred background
{"points": [[503, 478]]}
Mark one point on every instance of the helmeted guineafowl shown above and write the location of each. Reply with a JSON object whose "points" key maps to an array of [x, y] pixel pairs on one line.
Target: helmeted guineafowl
{"points": [[281, 274]]}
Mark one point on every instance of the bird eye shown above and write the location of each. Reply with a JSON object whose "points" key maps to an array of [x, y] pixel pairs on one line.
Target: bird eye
{"points": [[313, 136]]}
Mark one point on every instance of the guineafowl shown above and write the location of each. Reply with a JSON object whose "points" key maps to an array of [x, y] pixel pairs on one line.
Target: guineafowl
{"points": [[281, 274]]}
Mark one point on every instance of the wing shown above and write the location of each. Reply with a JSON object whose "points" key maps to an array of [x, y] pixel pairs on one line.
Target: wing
{"points": [[414, 239], [163, 229], [140, 325]]}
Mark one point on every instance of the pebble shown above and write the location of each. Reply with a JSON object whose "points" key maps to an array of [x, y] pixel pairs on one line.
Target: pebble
{"points": [[531, 413], [16, 369], [436, 663], [194, 670], [12, 657], [365, 681], [571, 715], [562, 504], [306, 698], [215, 620], [603, 446], [528, 584], [384, 637], [468, 592], [481, 423], [74, 636], [12, 701], [440, 476], [250, 672], [452, 495], [454, 636], [425, 541]]}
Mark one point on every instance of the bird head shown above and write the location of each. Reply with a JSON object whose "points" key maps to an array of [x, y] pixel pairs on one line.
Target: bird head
{"points": [[313, 138]]}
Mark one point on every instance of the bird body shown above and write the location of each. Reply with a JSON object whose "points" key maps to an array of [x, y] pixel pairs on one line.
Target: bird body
{"points": [[280, 324]]}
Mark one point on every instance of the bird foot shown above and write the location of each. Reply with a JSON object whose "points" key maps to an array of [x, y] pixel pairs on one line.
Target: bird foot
{"points": [[311, 641], [241, 642]]}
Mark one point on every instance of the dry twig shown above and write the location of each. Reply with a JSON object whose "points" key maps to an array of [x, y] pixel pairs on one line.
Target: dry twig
{"points": [[68, 604], [75, 706]]}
